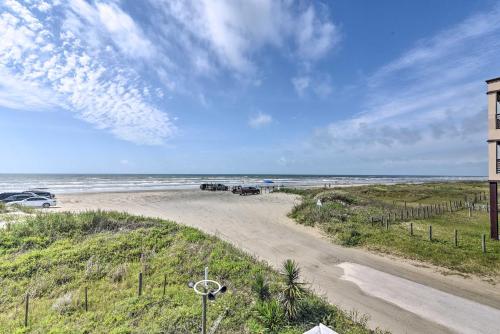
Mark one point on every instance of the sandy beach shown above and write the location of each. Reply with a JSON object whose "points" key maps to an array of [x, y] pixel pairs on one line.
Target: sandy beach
{"points": [[398, 295]]}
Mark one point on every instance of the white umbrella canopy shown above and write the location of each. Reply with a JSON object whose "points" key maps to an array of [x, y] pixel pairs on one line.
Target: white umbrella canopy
{"points": [[321, 329]]}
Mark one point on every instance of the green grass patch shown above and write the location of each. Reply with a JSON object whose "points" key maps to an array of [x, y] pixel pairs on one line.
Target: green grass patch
{"points": [[53, 257], [345, 216]]}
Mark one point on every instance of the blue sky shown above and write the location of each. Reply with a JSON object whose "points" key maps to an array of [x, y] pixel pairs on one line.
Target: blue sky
{"points": [[334, 87]]}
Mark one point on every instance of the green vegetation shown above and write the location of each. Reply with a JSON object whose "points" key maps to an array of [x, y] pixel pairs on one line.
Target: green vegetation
{"points": [[53, 257], [346, 216]]}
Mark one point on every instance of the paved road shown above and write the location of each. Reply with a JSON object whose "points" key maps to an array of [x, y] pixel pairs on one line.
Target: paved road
{"points": [[398, 295]]}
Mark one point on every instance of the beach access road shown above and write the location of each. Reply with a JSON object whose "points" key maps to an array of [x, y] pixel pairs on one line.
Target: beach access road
{"points": [[399, 295]]}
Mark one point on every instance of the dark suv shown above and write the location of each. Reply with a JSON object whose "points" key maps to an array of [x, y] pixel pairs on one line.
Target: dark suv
{"points": [[214, 187], [249, 191], [40, 193], [18, 197]]}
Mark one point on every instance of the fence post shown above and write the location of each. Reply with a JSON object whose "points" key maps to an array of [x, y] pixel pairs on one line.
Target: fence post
{"points": [[411, 229], [26, 310], [483, 243], [164, 284], [140, 284], [470, 211], [456, 238], [86, 299], [387, 225], [430, 232]]}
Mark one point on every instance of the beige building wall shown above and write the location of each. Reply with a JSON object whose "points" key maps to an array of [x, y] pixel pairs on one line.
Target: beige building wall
{"points": [[493, 132]]}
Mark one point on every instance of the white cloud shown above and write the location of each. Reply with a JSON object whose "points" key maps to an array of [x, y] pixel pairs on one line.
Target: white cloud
{"points": [[260, 120], [300, 84], [235, 31], [314, 36], [426, 107], [320, 86], [63, 73]]}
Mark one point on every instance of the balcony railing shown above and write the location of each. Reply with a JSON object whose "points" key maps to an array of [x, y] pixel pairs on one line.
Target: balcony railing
{"points": [[498, 166], [498, 121]]}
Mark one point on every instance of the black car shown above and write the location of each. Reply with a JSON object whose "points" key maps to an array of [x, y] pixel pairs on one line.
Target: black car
{"points": [[41, 193], [18, 197], [6, 195], [249, 191], [214, 187]]}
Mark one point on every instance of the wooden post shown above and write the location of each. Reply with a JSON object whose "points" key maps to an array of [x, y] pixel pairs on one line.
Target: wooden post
{"points": [[483, 243], [164, 284], [456, 238], [86, 299], [411, 229], [430, 232], [371, 218], [140, 284], [470, 211], [26, 310], [387, 225]]}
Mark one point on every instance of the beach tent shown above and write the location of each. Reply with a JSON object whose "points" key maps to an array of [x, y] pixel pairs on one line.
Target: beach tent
{"points": [[321, 329]]}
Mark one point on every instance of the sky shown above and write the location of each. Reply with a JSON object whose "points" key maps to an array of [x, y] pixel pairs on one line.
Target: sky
{"points": [[253, 86]]}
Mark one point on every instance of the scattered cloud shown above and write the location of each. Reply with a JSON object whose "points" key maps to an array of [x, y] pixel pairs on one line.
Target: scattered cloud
{"points": [[64, 71], [425, 107], [318, 85], [300, 84], [260, 120], [229, 34], [315, 37]]}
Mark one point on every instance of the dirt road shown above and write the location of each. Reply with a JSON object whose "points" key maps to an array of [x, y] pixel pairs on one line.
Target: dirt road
{"points": [[399, 296]]}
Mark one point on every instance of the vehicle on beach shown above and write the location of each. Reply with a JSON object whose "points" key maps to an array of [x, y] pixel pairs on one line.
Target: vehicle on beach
{"points": [[18, 197], [6, 195], [214, 187], [246, 190], [35, 202], [41, 193]]}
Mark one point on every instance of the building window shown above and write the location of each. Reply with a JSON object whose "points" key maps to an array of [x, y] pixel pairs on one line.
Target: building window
{"points": [[498, 157], [497, 111]]}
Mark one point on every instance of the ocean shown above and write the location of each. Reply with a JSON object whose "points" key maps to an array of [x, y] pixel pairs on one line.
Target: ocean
{"points": [[78, 183]]}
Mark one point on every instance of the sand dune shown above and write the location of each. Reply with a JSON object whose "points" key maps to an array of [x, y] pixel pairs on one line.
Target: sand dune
{"points": [[259, 225]]}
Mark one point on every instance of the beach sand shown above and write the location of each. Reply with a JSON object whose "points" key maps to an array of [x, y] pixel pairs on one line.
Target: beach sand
{"points": [[260, 226]]}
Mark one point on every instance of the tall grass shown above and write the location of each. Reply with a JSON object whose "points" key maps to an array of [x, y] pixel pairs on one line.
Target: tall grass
{"points": [[53, 257], [345, 216]]}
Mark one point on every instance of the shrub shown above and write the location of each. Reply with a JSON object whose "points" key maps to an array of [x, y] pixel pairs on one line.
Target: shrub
{"points": [[260, 287], [64, 304], [118, 275], [293, 290], [271, 316]]}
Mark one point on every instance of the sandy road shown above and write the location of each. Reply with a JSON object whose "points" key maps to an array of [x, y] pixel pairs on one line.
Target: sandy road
{"points": [[398, 296]]}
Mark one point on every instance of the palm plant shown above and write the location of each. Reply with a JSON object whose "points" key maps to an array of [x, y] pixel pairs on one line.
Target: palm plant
{"points": [[293, 290], [260, 287], [270, 315]]}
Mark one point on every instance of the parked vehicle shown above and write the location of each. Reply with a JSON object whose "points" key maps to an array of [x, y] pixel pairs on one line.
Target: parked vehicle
{"points": [[35, 202], [41, 193], [214, 187], [6, 195], [236, 190], [18, 197], [249, 191]]}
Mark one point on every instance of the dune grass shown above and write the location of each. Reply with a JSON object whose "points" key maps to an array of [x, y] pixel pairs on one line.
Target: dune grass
{"points": [[53, 257], [345, 216]]}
